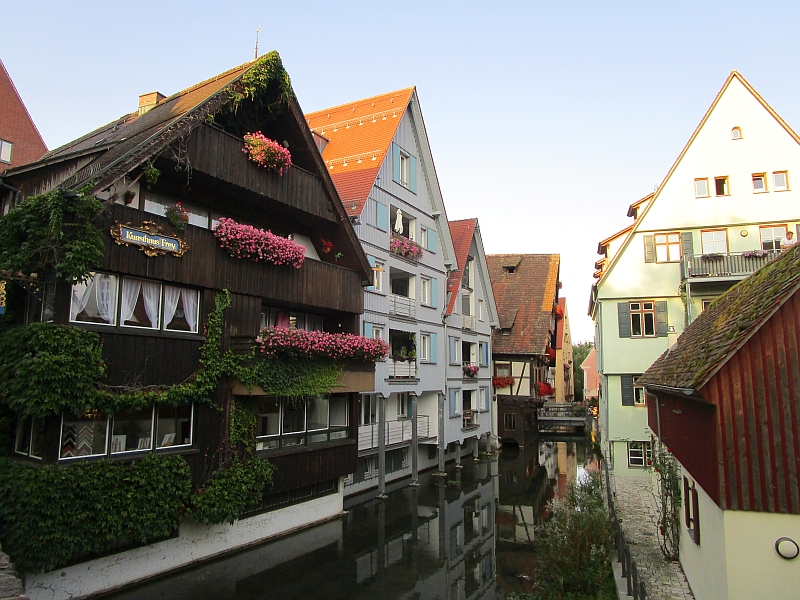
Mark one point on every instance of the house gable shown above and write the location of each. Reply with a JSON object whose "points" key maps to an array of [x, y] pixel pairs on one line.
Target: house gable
{"points": [[16, 125]]}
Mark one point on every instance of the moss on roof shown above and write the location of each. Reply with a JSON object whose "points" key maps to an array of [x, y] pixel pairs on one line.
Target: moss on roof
{"points": [[724, 326]]}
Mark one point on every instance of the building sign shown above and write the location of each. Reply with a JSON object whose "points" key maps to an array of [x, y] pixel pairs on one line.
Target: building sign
{"points": [[149, 239]]}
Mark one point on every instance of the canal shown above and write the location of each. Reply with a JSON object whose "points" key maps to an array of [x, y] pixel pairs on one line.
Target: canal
{"points": [[461, 537]]}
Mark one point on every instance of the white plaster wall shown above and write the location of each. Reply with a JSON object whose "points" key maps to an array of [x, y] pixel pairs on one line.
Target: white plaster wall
{"points": [[195, 542], [755, 569]]}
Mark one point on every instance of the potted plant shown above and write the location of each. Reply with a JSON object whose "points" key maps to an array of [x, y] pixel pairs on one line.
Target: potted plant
{"points": [[502, 381], [471, 370], [128, 196], [267, 153], [177, 216]]}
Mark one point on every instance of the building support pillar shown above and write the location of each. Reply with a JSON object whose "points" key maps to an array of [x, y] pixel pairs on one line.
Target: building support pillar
{"points": [[414, 441], [381, 446]]}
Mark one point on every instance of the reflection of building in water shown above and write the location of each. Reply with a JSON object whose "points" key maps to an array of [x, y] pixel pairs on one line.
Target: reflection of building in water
{"points": [[567, 466]]}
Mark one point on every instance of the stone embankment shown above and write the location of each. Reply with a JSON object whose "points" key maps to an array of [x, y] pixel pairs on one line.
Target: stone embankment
{"points": [[10, 585]]}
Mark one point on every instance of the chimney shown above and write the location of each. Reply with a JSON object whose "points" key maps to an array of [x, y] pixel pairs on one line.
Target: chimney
{"points": [[148, 101]]}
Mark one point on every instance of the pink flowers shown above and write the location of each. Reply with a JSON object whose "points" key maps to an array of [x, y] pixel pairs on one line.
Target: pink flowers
{"points": [[246, 241], [402, 246], [471, 370], [266, 153], [177, 216], [297, 343]]}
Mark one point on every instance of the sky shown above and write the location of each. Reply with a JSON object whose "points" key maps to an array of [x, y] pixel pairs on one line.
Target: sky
{"points": [[546, 119]]}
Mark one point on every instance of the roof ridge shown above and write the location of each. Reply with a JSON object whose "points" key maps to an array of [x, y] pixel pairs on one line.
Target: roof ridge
{"points": [[322, 110]]}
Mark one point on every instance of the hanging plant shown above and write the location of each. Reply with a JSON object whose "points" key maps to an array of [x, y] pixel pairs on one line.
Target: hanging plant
{"points": [[550, 352], [503, 381], [327, 245], [177, 216], [471, 370], [266, 153], [402, 246], [246, 241]]}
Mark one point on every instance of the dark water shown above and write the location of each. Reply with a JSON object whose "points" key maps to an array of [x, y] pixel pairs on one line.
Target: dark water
{"points": [[466, 536]]}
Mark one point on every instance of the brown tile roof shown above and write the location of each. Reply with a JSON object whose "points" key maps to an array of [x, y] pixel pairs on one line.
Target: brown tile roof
{"points": [[461, 233], [360, 134], [16, 125], [726, 325], [524, 300]]}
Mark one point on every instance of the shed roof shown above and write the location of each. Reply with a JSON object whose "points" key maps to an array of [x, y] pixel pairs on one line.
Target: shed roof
{"points": [[715, 336], [524, 300]]}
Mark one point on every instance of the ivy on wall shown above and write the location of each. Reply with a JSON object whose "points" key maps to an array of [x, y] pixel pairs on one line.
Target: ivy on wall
{"points": [[292, 377], [230, 490]]}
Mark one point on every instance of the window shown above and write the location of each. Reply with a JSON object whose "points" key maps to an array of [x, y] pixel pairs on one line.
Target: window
{"points": [[455, 350], [691, 509], [405, 169], [510, 421], [706, 304], [780, 181], [403, 406], [736, 133], [638, 392], [280, 317], [158, 204], [284, 422], [759, 183], [701, 188], [425, 348], [715, 241], [721, 186], [145, 304], [377, 332], [643, 319], [668, 247], [771, 237], [132, 431], [367, 410], [425, 290], [639, 454], [483, 354], [6, 149], [30, 437], [502, 369], [453, 395], [84, 434], [174, 425], [423, 237], [480, 310]]}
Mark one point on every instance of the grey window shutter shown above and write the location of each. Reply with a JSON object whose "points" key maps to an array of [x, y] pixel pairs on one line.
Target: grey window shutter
{"points": [[627, 389], [687, 246], [661, 318], [412, 184], [649, 248], [396, 163], [624, 319]]}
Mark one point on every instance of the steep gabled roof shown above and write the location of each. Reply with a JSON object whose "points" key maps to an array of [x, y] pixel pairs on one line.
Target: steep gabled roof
{"points": [[359, 136], [461, 233], [524, 300], [16, 125], [725, 326]]}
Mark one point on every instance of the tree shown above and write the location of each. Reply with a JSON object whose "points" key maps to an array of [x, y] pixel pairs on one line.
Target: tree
{"points": [[579, 353]]}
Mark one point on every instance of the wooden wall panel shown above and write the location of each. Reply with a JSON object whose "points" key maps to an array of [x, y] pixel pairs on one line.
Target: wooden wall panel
{"points": [[148, 360], [312, 466]]}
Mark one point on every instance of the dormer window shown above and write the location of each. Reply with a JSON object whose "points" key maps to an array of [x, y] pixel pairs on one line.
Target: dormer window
{"points": [[736, 133], [510, 270]]}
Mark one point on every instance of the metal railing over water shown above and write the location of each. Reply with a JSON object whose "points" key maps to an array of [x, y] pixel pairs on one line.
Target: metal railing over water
{"points": [[629, 570]]}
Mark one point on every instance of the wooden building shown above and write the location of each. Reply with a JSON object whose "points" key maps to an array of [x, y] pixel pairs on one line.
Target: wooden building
{"points": [[724, 400], [150, 306], [525, 289]]}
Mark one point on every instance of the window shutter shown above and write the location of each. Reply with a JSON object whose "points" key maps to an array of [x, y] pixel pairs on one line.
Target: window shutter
{"points": [[434, 292], [371, 260], [396, 161], [649, 248], [433, 348], [687, 245], [368, 330], [453, 360], [696, 514], [624, 319], [453, 407], [412, 179], [661, 318], [381, 216], [687, 508], [432, 240], [626, 382], [488, 401]]}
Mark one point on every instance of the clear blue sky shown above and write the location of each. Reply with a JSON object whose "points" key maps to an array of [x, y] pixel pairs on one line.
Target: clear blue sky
{"points": [[546, 119]]}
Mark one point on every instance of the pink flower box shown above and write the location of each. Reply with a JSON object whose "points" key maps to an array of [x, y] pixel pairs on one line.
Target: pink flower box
{"points": [[246, 241], [298, 343]]}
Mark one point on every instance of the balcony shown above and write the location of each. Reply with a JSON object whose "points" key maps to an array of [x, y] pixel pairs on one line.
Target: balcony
{"points": [[469, 419], [468, 322], [396, 432], [402, 368], [731, 265], [402, 307]]}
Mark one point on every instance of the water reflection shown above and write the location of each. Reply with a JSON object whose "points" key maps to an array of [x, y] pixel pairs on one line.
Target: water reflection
{"points": [[463, 537]]}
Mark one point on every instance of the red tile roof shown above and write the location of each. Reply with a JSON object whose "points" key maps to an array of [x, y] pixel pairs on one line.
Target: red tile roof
{"points": [[524, 300], [16, 125], [461, 232], [360, 134]]}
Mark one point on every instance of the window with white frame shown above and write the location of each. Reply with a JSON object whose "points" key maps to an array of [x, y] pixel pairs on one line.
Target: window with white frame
{"points": [[158, 204], [714, 241], [643, 319], [6, 149], [759, 183], [639, 454], [736, 133], [780, 181], [668, 247], [483, 354], [701, 188], [379, 271], [455, 350], [771, 236], [706, 304], [485, 398], [481, 310], [424, 350], [425, 290], [30, 436], [405, 169], [378, 332], [403, 406], [638, 392], [286, 422], [423, 237]]}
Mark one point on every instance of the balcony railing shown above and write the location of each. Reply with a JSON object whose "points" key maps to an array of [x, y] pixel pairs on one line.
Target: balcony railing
{"points": [[468, 322], [469, 419], [396, 432], [402, 368], [402, 306], [731, 264]]}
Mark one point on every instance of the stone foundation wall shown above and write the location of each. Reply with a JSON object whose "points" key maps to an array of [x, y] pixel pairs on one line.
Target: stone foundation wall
{"points": [[10, 585]]}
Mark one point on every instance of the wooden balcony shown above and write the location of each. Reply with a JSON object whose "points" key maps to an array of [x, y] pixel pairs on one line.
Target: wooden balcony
{"points": [[401, 306], [731, 265], [396, 432]]}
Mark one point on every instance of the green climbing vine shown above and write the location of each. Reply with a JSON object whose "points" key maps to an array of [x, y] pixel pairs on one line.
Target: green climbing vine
{"points": [[256, 80], [668, 473], [292, 377]]}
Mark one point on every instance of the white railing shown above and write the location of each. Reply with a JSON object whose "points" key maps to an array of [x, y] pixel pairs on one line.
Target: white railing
{"points": [[402, 306], [397, 432], [402, 368], [468, 322], [469, 419]]}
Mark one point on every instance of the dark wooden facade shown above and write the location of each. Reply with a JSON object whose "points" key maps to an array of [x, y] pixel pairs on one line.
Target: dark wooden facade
{"points": [[741, 438]]}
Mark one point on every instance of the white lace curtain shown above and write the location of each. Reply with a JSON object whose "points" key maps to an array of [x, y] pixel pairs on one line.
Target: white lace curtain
{"points": [[80, 298], [151, 296], [190, 302]]}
